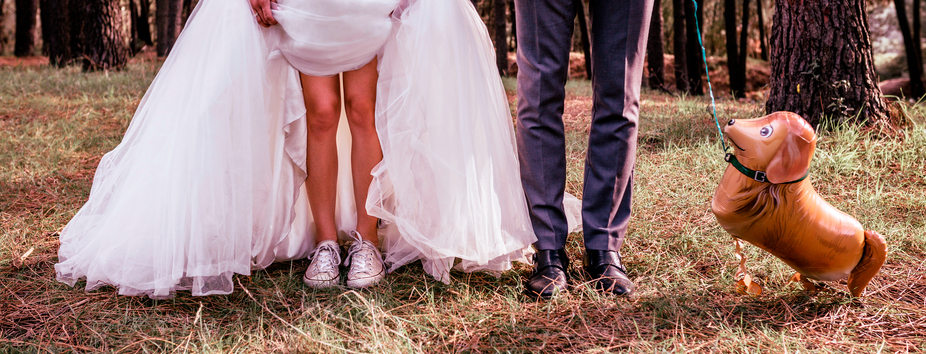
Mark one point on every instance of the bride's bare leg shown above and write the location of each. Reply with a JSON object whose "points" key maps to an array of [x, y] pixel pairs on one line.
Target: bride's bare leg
{"points": [[366, 152], [323, 106]]}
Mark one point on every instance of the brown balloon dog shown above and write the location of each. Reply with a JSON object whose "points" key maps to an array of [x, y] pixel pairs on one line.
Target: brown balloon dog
{"points": [[764, 199]]}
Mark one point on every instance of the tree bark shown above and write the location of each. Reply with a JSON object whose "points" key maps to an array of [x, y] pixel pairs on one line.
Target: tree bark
{"points": [[2, 17], [57, 34], [186, 9], [501, 37], [144, 26], [168, 18], [678, 45], [743, 51], [694, 21], [76, 18], [911, 41], [655, 49], [917, 32], [586, 43], [737, 80], [26, 13], [102, 44], [140, 29], [512, 19], [133, 27], [821, 62], [161, 23], [763, 39]]}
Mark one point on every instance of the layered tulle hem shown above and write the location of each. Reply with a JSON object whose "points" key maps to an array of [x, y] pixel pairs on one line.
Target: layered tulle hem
{"points": [[208, 180]]}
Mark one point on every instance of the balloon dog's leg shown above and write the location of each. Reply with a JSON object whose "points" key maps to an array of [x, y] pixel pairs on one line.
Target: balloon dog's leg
{"points": [[745, 285], [872, 259], [806, 283]]}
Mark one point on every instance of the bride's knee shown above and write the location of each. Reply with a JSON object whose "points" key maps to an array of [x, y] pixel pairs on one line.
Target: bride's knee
{"points": [[360, 114], [323, 117]]}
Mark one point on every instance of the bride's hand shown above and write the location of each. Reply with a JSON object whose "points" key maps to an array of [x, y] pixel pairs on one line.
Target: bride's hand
{"points": [[262, 9]]}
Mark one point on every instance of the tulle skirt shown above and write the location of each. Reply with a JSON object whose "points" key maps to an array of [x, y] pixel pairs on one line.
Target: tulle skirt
{"points": [[208, 180]]}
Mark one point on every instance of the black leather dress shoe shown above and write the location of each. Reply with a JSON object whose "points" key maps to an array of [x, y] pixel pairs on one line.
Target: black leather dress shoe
{"points": [[605, 269], [549, 276]]}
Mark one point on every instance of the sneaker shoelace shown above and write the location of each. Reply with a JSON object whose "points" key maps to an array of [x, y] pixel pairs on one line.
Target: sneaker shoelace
{"points": [[360, 255], [325, 258]]}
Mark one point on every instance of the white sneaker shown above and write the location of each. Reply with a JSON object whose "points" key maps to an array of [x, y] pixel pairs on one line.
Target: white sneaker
{"points": [[323, 272], [365, 261]]}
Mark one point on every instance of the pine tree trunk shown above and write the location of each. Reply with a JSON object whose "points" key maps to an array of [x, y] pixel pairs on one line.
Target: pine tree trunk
{"points": [[678, 45], [914, 61], [57, 36], [737, 81], [694, 20], [169, 23], [102, 44], [76, 18], [743, 51], [655, 49], [763, 39], [586, 42], [26, 12], [821, 62], [186, 9], [917, 32], [144, 26], [501, 38], [133, 27], [514, 25], [161, 22], [2, 16], [176, 18]]}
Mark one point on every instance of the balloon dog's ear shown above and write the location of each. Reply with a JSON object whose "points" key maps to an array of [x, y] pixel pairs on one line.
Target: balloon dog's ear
{"points": [[792, 160]]}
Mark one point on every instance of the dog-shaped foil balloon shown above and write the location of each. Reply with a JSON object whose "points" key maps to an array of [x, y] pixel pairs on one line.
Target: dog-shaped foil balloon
{"points": [[764, 199]]}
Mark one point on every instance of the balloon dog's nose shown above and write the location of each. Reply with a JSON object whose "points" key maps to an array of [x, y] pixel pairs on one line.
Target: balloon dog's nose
{"points": [[731, 121]]}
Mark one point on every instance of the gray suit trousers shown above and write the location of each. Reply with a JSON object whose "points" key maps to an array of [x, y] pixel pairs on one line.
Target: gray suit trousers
{"points": [[618, 34]]}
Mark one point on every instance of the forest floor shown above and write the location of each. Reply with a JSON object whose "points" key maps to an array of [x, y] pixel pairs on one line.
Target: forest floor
{"points": [[55, 124]]}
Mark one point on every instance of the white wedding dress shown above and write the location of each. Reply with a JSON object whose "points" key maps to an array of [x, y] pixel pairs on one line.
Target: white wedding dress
{"points": [[208, 180]]}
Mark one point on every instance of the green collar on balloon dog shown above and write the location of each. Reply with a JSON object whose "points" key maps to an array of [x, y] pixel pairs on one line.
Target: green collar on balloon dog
{"points": [[759, 176]]}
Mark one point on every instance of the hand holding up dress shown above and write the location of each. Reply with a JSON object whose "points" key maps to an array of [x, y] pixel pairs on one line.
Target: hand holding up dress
{"points": [[262, 9]]}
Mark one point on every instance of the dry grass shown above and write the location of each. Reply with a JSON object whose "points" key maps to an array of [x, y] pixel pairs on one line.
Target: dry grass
{"points": [[55, 125]]}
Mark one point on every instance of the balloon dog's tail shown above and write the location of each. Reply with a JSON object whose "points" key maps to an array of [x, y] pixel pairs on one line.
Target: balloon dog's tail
{"points": [[872, 259]]}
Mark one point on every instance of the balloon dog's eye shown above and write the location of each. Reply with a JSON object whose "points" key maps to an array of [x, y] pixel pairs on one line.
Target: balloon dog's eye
{"points": [[766, 131]]}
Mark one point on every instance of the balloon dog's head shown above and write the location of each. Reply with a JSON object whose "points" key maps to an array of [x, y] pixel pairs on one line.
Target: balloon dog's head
{"points": [[781, 144]]}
